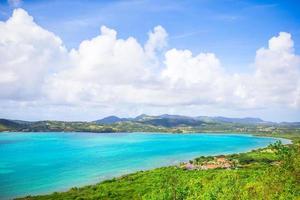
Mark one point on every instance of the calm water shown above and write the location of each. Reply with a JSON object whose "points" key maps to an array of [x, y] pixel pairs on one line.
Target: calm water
{"points": [[37, 163]]}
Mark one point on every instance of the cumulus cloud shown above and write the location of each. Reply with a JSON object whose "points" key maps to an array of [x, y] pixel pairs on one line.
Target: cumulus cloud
{"points": [[181, 66], [277, 74], [157, 41], [28, 54], [101, 69], [120, 73]]}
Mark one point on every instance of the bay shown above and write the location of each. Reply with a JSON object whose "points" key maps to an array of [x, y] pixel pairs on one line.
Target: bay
{"points": [[41, 163]]}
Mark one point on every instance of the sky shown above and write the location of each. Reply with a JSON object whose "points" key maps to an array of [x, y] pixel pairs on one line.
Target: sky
{"points": [[84, 60]]}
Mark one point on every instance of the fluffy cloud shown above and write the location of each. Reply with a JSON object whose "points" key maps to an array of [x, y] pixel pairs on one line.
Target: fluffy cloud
{"points": [[105, 69], [181, 66], [122, 73], [201, 78], [276, 77], [28, 54], [157, 41], [277, 71]]}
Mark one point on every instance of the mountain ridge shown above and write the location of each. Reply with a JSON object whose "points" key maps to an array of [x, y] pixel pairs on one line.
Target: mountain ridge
{"points": [[150, 123], [144, 117]]}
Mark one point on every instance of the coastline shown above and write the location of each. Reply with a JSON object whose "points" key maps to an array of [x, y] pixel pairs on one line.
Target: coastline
{"points": [[173, 165]]}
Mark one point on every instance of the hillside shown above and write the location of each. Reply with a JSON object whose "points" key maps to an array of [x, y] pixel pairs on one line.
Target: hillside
{"points": [[111, 120], [147, 123]]}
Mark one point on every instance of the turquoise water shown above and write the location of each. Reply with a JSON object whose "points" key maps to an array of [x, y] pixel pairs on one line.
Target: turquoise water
{"points": [[39, 163]]}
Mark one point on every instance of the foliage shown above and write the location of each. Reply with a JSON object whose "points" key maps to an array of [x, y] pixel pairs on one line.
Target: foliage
{"points": [[152, 125], [202, 159]]}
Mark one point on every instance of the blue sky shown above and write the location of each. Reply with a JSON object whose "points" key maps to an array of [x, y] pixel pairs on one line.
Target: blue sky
{"points": [[233, 31]]}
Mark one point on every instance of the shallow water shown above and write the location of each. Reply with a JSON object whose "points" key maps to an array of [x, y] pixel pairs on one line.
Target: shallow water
{"points": [[39, 163]]}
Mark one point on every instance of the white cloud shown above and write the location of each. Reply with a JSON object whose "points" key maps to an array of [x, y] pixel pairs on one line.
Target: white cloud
{"points": [[157, 41], [276, 79], [282, 43], [122, 74], [100, 68], [28, 53], [182, 66]]}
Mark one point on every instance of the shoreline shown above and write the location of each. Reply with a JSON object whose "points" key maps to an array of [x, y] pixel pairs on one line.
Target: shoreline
{"points": [[286, 142]]}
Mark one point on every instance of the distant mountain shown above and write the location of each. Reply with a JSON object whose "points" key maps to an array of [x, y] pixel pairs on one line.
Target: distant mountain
{"points": [[195, 120], [111, 120], [149, 123], [175, 120], [161, 120], [9, 123], [168, 120], [143, 117], [6, 124], [167, 116], [247, 120], [108, 120]]}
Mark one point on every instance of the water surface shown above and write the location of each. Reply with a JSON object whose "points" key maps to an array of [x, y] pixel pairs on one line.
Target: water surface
{"points": [[38, 163]]}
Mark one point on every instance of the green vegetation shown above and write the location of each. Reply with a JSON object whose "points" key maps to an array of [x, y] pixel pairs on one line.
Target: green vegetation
{"points": [[268, 173], [145, 123]]}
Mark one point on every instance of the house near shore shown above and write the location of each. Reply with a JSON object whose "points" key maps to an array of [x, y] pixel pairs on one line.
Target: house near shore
{"points": [[217, 163]]}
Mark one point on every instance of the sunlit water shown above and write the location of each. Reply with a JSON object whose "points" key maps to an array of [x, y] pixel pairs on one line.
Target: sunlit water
{"points": [[39, 163]]}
